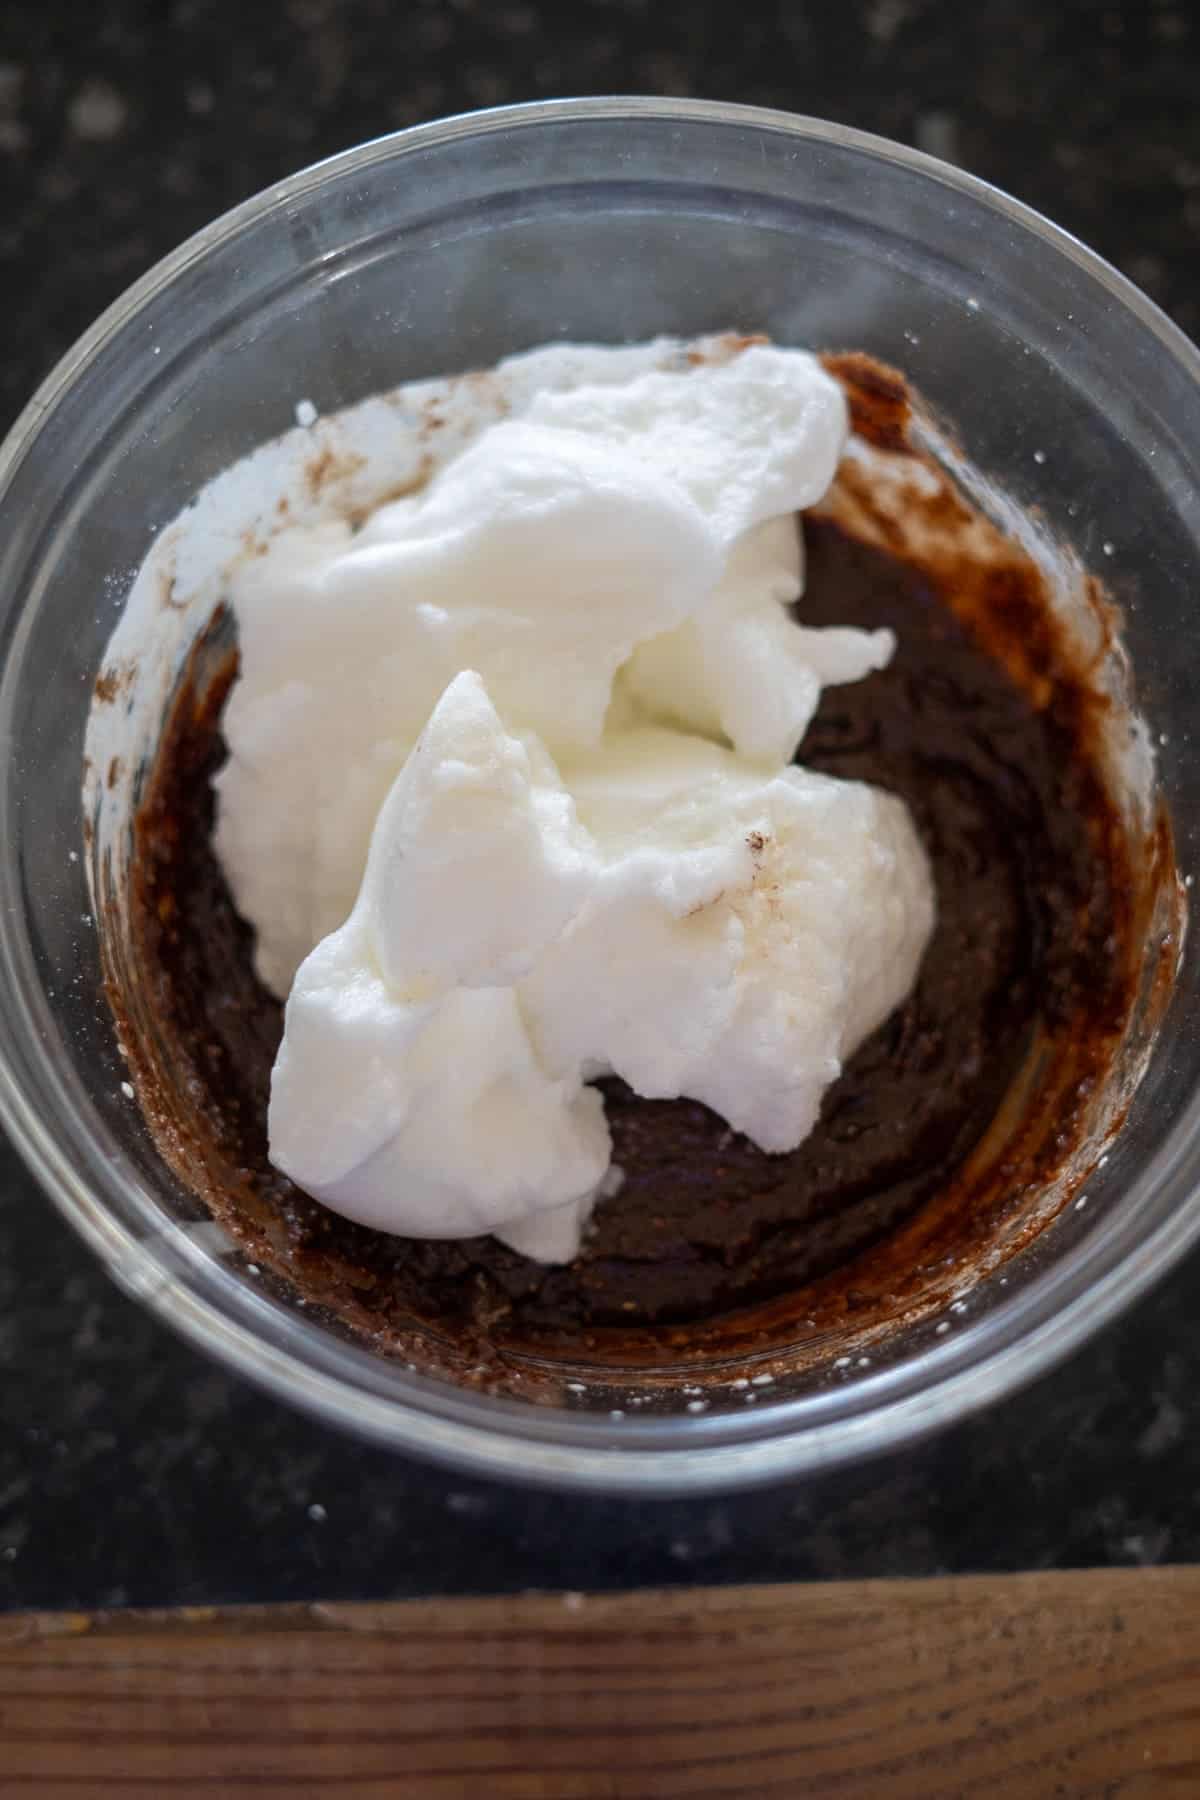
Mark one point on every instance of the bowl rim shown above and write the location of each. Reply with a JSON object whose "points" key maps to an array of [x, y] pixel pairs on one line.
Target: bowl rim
{"points": [[1022, 1336]]}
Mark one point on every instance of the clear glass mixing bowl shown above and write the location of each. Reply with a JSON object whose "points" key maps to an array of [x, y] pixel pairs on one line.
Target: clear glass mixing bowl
{"points": [[449, 246]]}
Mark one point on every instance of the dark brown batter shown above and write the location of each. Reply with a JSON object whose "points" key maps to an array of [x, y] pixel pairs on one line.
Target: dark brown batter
{"points": [[713, 1247]]}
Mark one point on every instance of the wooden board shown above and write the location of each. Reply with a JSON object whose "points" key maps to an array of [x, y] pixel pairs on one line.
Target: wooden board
{"points": [[1055, 1684]]}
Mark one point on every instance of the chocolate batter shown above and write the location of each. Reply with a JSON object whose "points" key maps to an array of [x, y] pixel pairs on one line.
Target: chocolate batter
{"points": [[986, 729]]}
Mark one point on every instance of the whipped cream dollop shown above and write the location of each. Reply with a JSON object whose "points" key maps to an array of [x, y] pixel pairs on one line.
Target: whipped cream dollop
{"points": [[510, 802]]}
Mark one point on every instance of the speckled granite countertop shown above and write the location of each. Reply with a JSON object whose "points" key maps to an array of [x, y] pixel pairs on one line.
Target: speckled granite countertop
{"points": [[131, 1471]]}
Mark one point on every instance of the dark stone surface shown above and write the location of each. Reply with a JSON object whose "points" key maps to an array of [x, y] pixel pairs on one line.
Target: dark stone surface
{"points": [[130, 1469]]}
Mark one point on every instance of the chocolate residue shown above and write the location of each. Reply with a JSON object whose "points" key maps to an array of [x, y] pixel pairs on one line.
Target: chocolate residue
{"points": [[941, 1134], [327, 466], [166, 591], [113, 682], [880, 410]]}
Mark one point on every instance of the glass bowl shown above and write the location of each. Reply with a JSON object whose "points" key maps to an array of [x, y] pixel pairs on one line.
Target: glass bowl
{"points": [[446, 247]]}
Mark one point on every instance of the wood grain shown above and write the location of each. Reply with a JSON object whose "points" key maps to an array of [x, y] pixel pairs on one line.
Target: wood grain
{"points": [[1055, 1684]]}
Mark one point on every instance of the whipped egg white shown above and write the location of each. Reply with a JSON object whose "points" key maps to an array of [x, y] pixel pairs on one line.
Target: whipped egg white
{"points": [[510, 800]]}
